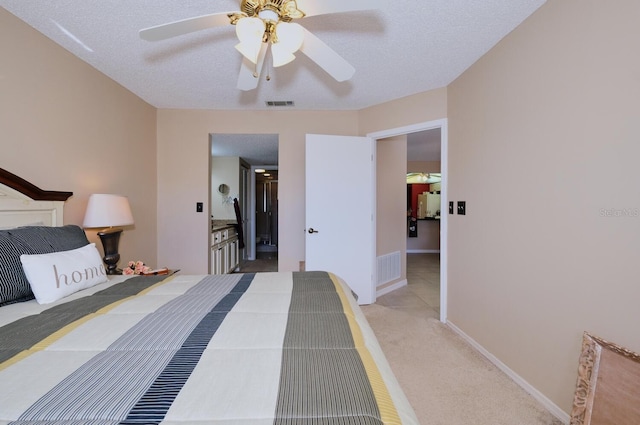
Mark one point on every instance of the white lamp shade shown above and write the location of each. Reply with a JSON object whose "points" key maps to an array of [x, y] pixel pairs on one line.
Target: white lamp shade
{"points": [[107, 211], [290, 37], [250, 32]]}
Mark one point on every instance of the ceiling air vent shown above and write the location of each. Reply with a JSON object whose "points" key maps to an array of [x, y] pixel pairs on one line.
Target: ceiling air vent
{"points": [[273, 103]]}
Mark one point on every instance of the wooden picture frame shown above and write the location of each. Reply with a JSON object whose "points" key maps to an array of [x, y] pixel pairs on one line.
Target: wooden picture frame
{"points": [[608, 386]]}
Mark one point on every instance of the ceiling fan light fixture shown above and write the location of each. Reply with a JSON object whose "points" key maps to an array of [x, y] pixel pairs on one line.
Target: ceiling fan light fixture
{"points": [[290, 9], [250, 32], [290, 35], [269, 15], [267, 24], [288, 40], [280, 56], [249, 51]]}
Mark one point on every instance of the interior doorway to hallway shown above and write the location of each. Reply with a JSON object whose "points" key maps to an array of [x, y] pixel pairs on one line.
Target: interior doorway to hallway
{"points": [[442, 125], [251, 152], [266, 215], [424, 212]]}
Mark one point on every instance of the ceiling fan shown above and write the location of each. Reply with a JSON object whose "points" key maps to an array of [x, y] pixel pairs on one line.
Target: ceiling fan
{"points": [[424, 177], [264, 26]]}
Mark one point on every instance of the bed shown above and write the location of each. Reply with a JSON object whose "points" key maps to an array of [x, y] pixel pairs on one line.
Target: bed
{"points": [[254, 348]]}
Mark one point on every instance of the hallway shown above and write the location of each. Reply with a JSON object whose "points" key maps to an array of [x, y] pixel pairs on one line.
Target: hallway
{"points": [[421, 297], [266, 261]]}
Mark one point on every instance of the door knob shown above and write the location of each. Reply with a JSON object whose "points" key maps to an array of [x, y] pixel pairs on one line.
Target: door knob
{"points": [[311, 230]]}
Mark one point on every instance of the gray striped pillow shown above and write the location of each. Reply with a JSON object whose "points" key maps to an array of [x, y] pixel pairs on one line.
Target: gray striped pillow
{"points": [[14, 286]]}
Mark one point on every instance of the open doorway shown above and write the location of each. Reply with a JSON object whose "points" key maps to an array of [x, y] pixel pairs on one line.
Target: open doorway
{"points": [[442, 126], [424, 212], [237, 156], [266, 219]]}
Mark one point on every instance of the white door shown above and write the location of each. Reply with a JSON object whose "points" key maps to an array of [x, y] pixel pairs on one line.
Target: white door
{"points": [[340, 200]]}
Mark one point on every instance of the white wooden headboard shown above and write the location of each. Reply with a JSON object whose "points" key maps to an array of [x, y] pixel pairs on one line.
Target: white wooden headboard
{"points": [[23, 204]]}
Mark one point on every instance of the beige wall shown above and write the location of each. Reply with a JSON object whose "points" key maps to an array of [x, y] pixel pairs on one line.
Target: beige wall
{"points": [[415, 109], [428, 239], [423, 167], [224, 170], [391, 200], [549, 117], [183, 146], [183, 176], [65, 126]]}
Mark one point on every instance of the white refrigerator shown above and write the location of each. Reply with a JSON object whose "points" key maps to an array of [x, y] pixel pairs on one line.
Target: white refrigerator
{"points": [[428, 204]]}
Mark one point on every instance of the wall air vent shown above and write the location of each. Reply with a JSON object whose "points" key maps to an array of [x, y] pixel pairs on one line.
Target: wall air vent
{"points": [[274, 103], [389, 267]]}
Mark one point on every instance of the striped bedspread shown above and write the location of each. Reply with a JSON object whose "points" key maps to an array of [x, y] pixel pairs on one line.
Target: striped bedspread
{"points": [[266, 348]]}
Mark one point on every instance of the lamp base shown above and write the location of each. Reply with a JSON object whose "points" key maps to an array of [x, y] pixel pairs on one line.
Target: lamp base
{"points": [[110, 239]]}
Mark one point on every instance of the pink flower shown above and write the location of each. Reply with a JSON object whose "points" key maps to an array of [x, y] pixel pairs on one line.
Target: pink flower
{"points": [[135, 267]]}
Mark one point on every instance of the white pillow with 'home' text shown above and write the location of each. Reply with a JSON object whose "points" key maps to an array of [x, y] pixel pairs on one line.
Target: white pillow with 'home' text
{"points": [[60, 274]]}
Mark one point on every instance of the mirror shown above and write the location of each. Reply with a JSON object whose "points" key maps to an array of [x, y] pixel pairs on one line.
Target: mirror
{"points": [[223, 189], [423, 195]]}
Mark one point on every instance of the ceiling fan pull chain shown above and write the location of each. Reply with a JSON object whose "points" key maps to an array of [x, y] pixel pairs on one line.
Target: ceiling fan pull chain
{"points": [[268, 77]]}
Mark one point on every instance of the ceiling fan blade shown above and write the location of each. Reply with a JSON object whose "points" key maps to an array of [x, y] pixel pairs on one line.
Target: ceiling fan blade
{"points": [[249, 72], [313, 8], [334, 64], [185, 26]]}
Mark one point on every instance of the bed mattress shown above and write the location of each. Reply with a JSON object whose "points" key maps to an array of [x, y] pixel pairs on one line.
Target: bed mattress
{"points": [[285, 348]]}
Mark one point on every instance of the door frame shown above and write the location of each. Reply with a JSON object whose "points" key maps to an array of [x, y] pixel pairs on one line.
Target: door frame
{"points": [[442, 124], [251, 245]]}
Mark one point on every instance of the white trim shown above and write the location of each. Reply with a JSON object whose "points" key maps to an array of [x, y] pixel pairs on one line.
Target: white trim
{"points": [[391, 288], [373, 148], [413, 128], [546, 402], [423, 251], [443, 124], [444, 219]]}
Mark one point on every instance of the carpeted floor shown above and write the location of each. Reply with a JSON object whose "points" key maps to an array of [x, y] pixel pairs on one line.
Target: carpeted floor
{"points": [[445, 379]]}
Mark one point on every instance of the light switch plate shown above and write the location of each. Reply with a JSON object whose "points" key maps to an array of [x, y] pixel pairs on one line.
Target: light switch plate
{"points": [[199, 206], [462, 208]]}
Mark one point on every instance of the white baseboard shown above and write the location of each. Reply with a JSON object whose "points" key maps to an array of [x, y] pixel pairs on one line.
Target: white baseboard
{"points": [[548, 404], [391, 288], [423, 251]]}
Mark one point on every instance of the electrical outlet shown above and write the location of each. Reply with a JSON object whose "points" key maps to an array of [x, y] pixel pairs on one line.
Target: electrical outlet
{"points": [[462, 208], [199, 206]]}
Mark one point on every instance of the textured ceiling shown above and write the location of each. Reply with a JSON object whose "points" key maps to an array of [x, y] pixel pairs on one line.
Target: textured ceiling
{"points": [[424, 145], [256, 149], [401, 48]]}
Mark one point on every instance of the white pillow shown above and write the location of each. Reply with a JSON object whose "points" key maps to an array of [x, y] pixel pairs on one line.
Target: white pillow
{"points": [[60, 274]]}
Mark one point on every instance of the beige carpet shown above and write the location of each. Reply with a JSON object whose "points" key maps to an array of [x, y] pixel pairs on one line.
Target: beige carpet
{"points": [[447, 381]]}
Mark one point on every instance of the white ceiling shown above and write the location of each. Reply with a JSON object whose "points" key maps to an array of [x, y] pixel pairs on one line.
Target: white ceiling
{"points": [[424, 145], [256, 149], [401, 48]]}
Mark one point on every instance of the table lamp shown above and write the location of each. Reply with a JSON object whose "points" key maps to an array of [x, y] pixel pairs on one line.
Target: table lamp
{"points": [[109, 212]]}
